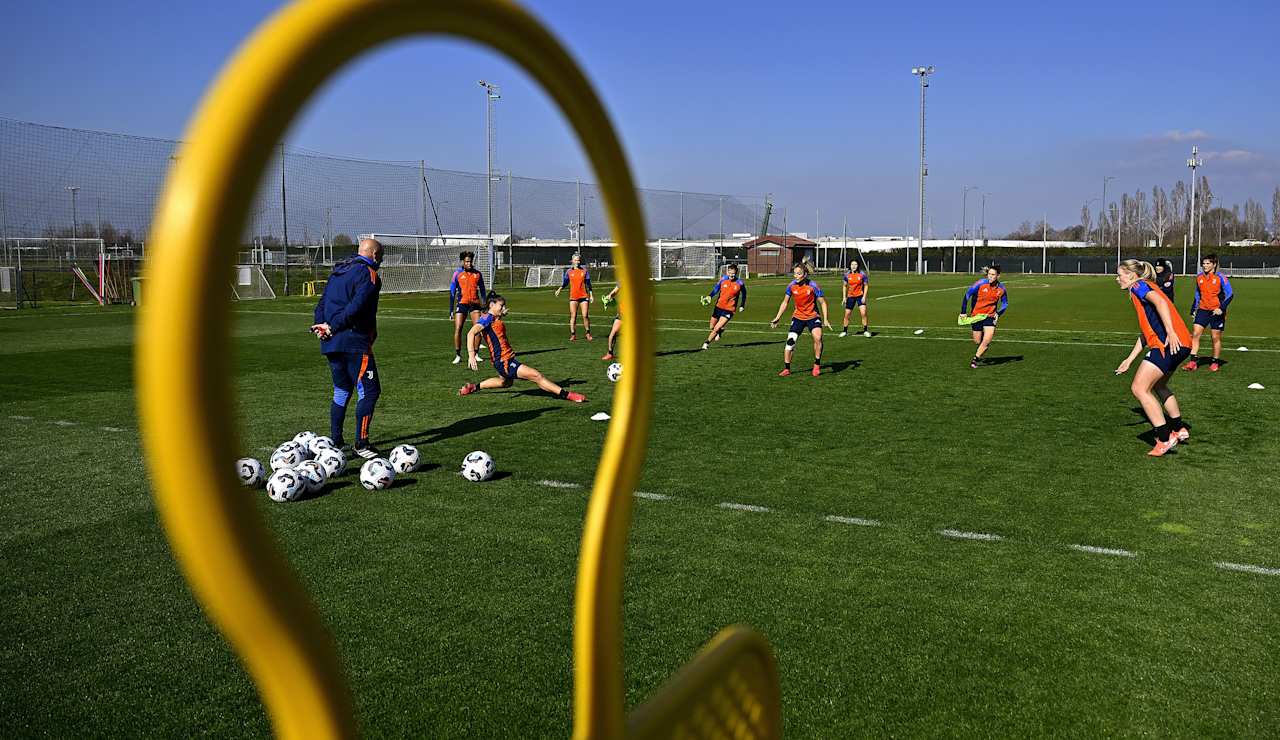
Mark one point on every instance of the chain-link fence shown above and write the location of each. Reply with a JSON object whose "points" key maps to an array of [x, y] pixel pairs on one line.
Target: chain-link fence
{"points": [[60, 182]]}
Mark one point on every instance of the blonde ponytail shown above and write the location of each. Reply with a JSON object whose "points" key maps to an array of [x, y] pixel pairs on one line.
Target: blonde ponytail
{"points": [[1144, 270]]}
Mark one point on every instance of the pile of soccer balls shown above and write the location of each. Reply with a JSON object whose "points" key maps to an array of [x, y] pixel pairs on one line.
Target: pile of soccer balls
{"points": [[303, 465]]}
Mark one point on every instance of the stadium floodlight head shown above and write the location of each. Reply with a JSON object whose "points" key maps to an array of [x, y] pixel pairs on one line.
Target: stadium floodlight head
{"points": [[491, 89]]}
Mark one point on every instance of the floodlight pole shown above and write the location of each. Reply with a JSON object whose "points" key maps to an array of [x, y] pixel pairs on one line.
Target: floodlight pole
{"points": [[964, 223], [491, 93], [1193, 162], [511, 233], [284, 219], [75, 222], [923, 73]]}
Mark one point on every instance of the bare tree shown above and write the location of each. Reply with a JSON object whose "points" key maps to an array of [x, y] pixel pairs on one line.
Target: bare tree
{"points": [[1179, 207], [1086, 220], [1140, 205], [1159, 218], [1204, 200], [1275, 213]]}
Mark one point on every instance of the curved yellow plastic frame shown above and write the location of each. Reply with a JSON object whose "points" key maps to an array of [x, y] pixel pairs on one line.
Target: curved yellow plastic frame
{"points": [[183, 368]]}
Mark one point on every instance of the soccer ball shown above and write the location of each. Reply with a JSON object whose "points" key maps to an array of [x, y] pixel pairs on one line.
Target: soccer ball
{"points": [[377, 474], [405, 458], [250, 471], [614, 372], [706, 300], [333, 461], [477, 466], [285, 485], [320, 443], [304, 439], [313, 475], [287, 455]]}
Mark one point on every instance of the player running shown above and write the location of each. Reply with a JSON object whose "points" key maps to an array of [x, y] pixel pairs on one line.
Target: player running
{"points": [[808, 297], [989, 300], [1213, 295], [1165, 336], [346, 321], [855, 296], [730, 295], [617, 322], [466, 299], [578, 281], [1164, 276], [493, 332]]}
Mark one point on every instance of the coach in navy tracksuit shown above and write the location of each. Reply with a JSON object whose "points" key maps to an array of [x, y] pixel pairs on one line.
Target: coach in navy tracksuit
{"points": [[1164, 276], [347, 323]]}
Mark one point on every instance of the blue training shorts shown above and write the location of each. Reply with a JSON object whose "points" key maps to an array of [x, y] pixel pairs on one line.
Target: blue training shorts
{"points": [[799, 325], [719, 313], [1206, 319], [507, 369], [852, 303], [1168, 362], [977, 326]]}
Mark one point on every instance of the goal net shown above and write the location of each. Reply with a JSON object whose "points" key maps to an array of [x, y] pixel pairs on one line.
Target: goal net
{"points": [[414, 263], [1253, 271], [250, 284], [724, 262], [682, 262], [540, 276]]}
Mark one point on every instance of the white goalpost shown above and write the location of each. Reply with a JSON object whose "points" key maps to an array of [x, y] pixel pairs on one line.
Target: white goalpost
{"points": [[544, 276], [250, 284], [682, 261], [413, 263]]}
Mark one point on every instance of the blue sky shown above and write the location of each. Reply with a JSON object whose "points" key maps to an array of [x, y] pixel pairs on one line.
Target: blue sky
{"points": [[813, 102]]}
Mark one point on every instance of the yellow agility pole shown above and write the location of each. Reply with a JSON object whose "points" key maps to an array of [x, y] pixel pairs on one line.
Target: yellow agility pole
{"points": [[185, 397]]}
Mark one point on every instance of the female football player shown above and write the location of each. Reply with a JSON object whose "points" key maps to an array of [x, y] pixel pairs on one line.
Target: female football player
{"points": [[731, 296], [808, 297], [1209, 309], [617, 323], [493, 332], [990, 300], [1165, 337], [855, 296], [466, 299], [1164, 276], [578, 281]]}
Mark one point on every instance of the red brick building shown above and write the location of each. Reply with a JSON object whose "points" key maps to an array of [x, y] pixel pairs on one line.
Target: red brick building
{"points": [[776, 255]]}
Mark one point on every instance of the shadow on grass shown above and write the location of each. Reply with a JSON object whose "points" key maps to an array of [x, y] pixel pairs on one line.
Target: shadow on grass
{"points": [[464, 427], [540, 351], [1001, 360], [842, 365], [673, 352], [752, 344]]}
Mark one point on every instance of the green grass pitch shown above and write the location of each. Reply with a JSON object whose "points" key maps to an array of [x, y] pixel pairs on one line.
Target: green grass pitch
{"points": [[451, 602]]}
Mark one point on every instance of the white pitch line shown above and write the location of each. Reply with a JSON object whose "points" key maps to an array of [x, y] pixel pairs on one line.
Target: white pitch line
{"points": [[744, 507], [958, 534], [558, 484], [1104, 551], [64, 423], [1004, 338], [1255, 569], [858, 521], [15, 417], [112, 429], [652, 496]]}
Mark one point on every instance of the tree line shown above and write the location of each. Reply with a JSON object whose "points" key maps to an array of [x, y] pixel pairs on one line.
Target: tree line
{"points": [[1165, 218]]}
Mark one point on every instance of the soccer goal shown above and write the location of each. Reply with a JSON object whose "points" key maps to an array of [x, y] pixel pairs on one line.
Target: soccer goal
{"points": [[1273, 272], [542, 276], [677, 262], [723, 262], [250, 284], [413, 263]]}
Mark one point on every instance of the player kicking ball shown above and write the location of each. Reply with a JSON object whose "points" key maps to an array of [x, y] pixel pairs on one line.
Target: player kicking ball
{"points": [[493, 332], [989, 300], [856, 287], [1166, 337], [617, 323], [730, 295], [808, 299]]}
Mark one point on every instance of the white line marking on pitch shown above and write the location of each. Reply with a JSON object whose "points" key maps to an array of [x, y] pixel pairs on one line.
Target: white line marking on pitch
{"points": [[775, 333], [744, 507], [652, 496], [64, 423], [112, 429], [1255, 569], [957, 534], [852, 520], [558, 484], [1104, 551], [15, 417]]}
